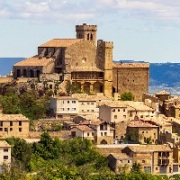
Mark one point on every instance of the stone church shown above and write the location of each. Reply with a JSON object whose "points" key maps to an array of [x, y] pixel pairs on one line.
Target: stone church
{"points": [[85, 62]]}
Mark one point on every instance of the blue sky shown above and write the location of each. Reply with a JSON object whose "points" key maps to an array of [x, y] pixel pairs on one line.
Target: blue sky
{"points": [[140, 29]]}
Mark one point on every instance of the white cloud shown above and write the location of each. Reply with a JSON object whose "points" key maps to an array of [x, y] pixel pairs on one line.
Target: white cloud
{"points": [[84, 10]]}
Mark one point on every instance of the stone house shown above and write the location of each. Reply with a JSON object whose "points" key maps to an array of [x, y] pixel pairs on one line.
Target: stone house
{"points": [[176, 156], [120, 162], [156, 159], [113, 112], [15, 125], [118, 111], [143, 131], [5, 155], [97, 131]]}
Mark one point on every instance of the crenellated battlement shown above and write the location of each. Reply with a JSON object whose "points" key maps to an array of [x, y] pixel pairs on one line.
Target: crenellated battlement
{"points": [[106, 44], [85, 27]]}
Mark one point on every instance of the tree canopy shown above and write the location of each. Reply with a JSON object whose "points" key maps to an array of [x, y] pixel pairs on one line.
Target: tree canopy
{"points": [[127, 96]]}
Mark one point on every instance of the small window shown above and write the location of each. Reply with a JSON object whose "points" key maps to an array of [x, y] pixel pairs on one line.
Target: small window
{"points": [[20, 123], [92, 110], [1, 129], [124, 116], [101, 133], [6, 129], [5, 157], [92, 134], [5, 149], [124, 110], [118, 110], [105, 133], [143, 161], [115, 116], [1, 123], [68, 102], [92, 103], [113, 110], [87, 134], [11, 129], [11, 123], [20, 129]]}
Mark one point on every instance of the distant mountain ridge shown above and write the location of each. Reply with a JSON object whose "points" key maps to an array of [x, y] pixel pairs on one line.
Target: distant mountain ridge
{"points": [[162, 75]]}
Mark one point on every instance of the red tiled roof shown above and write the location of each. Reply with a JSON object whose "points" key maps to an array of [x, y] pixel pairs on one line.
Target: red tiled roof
{"points": [[83, 128], [60, 42], [140, 123]]}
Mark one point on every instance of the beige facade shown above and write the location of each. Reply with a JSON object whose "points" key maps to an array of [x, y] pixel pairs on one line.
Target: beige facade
{"points": [[156, 159], [97, 131], [131, 77], [143, 131], [15, 125], [120, 162], [118, 111], [86, 63], [5, 154], [112, 113]]}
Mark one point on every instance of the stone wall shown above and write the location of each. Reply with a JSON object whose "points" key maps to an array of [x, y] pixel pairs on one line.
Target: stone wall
{"points": [[131, 77]]}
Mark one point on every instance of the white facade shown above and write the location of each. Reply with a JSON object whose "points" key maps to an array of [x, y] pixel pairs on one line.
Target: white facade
{"points": [[64, 106], [87, 107], [5, 154]]}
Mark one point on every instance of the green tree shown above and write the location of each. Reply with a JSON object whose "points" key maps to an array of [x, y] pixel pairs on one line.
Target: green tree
{"points": [[133, 135], [127, 96], [136, 167]]}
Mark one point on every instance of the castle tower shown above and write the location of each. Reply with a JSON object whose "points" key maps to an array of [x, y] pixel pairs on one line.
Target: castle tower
{"points": [[86, 32], [105, 54]]}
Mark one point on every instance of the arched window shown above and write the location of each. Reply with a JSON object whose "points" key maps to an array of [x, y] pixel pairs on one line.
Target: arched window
{"points": [[31, 73], [25, 73], [91, 38], [18, 72]]}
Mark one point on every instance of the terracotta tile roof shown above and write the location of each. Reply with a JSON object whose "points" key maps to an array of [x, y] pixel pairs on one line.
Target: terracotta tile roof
{"points": [[13, 117], [86, 97], [131, 65], [60, 42], [35, 61], [150, 148], [131, 105], [83, 128], [141, 123], [85, 122], [4, 144], [160, 120], [64, 98], [120, 156]]}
